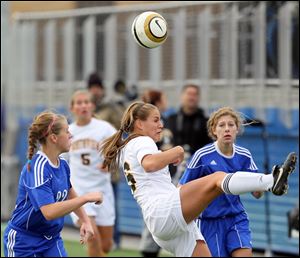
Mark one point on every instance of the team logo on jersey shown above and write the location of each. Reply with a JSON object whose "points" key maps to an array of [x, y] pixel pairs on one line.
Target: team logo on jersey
{"points": [[213, 162]]}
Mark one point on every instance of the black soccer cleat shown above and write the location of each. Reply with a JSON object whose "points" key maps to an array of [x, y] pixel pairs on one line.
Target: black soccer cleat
{"points": [[281, 174]]}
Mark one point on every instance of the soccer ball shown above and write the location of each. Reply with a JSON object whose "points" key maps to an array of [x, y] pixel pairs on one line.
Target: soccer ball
{"points": [[149, 29]]}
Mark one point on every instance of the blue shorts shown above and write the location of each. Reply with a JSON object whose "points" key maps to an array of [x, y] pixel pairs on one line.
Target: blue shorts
{"points": [[224, 235], [22, 244]]}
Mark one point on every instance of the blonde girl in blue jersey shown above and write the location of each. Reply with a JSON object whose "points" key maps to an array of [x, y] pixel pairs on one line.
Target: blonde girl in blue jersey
{"points": [[168, 211], [45, 194], [224, 223]]}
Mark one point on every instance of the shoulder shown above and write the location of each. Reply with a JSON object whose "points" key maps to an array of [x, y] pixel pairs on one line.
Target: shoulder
{"points": [[206, 150], [40, 171], [142, 144], [242, 151], [202, 153], [142, 140], [201, 114], [63, 161], [103, 124]]}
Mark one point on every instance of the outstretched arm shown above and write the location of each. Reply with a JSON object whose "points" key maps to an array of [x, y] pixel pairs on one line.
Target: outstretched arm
{"points": [[157, 161], [59, 209]]}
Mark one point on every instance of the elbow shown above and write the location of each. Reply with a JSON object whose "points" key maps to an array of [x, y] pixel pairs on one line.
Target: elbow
{"points": [[149, 167], [48, 213], [48, 216], [149, 164]]}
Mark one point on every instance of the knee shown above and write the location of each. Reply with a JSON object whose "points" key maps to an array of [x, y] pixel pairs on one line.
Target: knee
{"points": [[219, 177], [107, 246]]}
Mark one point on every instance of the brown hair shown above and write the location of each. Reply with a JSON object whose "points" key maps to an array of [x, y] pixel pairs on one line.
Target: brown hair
{"points": [[152, 96], [224, 111], [43, 124], [111, 147]]}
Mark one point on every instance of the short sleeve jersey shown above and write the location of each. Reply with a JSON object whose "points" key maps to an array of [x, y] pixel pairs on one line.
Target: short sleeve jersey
{"points": [[44, 184], [85, 158], [210, 159], [144, 185]]}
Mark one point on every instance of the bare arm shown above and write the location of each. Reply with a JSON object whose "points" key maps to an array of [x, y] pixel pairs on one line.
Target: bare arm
{"points": [[80, 211], [157, 161], [59, 209]]}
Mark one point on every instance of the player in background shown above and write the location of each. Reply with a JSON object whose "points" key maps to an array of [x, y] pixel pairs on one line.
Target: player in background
{"points": [[224, 223], [45, 194], [168, 211], [87, 173]]}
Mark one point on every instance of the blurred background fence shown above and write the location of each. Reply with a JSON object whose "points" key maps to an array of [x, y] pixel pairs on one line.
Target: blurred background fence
{"points": [[242, 54]]}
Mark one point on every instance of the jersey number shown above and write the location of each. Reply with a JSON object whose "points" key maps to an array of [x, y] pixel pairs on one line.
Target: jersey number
{"points": [[61, 196], [129, 177], [85, 157]]}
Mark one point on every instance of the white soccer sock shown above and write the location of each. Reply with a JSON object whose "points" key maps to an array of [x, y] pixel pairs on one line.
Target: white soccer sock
{"points": [[245, 182]]}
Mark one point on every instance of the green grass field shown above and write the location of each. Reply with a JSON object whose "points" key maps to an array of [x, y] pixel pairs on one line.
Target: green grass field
{"points": [[74, 249]]}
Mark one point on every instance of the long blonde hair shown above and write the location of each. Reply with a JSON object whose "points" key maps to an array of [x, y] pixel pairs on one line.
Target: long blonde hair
{"points": [[111, 147], [44, 123]]}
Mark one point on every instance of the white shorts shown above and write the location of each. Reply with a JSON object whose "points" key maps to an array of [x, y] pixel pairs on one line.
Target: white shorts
{"points": [[104, 213], [165, 221]]}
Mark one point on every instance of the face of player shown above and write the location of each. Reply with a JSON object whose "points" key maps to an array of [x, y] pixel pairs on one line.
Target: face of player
{"points": [[64, 138], [152, 127], [82, 107], [226, 130]]}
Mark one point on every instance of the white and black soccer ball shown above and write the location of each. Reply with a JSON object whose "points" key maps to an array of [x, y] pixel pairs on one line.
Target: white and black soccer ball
{"points": [[149, 29]]}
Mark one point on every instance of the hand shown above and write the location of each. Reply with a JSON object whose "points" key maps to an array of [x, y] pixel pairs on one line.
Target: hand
{"points": [[180, 155], [177, 162], [96, 197], [86, 232]]}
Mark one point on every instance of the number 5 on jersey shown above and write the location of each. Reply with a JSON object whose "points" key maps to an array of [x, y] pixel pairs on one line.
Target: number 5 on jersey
{"points": [[85, 158]]}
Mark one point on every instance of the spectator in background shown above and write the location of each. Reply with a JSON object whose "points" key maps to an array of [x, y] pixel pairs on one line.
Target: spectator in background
{"points": [[132, 93], [120, 94], [88, 174], [188, 125], [105, 110]]}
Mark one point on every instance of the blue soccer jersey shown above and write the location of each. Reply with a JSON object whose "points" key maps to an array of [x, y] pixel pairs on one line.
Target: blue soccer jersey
{"points": [[208, 160], [43, 184]]}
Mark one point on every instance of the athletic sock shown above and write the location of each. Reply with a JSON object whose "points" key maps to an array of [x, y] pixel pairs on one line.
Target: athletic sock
{"points": [[245, 182]]}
